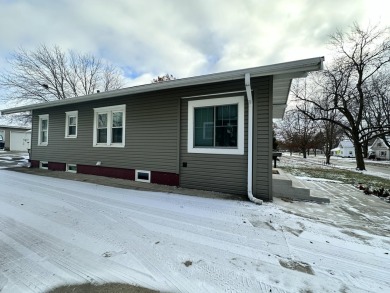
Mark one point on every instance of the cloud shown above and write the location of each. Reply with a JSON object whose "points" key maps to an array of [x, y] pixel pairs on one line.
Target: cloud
{"points": [[150, 37]]}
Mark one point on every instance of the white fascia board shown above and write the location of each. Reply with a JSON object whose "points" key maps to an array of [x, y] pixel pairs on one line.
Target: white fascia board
{"points": [[299, 66]]}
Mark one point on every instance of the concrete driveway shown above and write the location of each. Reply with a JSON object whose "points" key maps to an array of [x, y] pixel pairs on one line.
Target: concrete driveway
{"points": [[57, 232]]}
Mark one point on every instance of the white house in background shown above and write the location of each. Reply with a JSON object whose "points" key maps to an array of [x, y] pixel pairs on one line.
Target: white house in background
{"points": [[344, 149], [15, 138], [380, 149]]}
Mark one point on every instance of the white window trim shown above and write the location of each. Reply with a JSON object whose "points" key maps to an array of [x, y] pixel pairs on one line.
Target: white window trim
{"points": [[239, 150], [71, 114], [43, 117], [43, 162], [109, 110], [142, 180], [71, 171]]}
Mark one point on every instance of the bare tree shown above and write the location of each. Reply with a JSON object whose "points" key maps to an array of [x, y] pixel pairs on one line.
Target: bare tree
{"points": [[48, 74], [361, 55], [378, 107], [166, 77], [297, 131]]}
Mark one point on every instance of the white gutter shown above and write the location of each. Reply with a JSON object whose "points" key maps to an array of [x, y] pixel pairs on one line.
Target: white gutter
{"points": [[250, 139]]}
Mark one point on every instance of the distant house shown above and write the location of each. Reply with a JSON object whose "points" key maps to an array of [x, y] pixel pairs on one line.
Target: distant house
{"points": [[345, 149], [14, 138], [380, 149], [211, 132]]}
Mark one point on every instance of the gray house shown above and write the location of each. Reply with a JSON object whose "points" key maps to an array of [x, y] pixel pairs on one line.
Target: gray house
{"points": [[211, 132]]}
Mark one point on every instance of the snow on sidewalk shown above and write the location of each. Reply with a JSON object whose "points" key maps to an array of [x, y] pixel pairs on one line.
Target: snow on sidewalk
{"points": [[55, 232]]}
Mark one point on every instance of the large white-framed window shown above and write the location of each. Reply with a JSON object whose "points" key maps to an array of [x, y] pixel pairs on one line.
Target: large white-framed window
{"points": [[43, 130], [71, 124], [216, 126], [109, 126], [382, 153]]}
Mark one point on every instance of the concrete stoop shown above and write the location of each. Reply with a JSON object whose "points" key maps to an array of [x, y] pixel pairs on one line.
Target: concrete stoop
{"points": [[287, 186]]}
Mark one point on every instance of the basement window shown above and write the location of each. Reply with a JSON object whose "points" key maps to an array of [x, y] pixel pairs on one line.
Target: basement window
{"points": [[44, 165], [142, 176], [72, 168]]}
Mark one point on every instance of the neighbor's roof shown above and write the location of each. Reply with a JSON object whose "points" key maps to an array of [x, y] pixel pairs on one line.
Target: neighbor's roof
{"points": [[282, 73], [346, 143], [15, 127]]}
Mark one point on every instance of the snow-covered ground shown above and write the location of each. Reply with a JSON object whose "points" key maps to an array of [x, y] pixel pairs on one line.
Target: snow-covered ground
{"points": [[55, 232], [374, 168]]}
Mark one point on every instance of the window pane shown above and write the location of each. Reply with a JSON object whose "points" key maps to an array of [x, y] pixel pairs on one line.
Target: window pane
{"points": [[72, 130], [44, 124], [226, 136], [43, 136], [72, 120], [204, 126], [226, 126], [117, 118], [102, 135], [117, 135], [102, 120]]}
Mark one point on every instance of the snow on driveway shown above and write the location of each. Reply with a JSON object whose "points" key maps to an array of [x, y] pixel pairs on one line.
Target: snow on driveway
{"points": [[55, 232]]}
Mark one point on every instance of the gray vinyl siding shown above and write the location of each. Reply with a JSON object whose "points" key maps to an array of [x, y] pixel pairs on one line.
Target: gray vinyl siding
{"points": [[262, 132], [224, 173], [228, 173], [156, 138], [150, 141]]}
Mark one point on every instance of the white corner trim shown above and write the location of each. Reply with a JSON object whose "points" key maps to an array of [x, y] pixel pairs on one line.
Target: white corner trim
{"points": [[239, 150]]}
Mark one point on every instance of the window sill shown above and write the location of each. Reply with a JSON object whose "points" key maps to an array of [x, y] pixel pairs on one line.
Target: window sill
{"points": [[42, 144], [70, 136], [108, 145], [217, 151]]}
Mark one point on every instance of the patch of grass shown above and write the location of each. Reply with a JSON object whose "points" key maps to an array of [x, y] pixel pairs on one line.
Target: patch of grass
{"points": [[345, 176]]}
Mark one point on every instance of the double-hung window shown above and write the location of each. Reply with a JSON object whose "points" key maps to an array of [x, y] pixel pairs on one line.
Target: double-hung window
{"points": [[109, 126], [43, 130], [216, 126], [71, 124]]}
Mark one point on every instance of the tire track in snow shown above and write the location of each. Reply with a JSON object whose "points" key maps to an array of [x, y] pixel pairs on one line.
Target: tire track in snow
{"points": [[65, 256]]}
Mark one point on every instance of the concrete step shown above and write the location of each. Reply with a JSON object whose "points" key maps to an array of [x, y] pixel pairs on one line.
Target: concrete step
{"points": [[285, 185]]}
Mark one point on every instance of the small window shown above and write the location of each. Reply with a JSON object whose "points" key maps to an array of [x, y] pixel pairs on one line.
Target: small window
{"points": [[109, 126], [43, 130], [382, 153], [72, 168], [71, 124], [44, 165], [379, 144], [142, 176], [216, 126]]}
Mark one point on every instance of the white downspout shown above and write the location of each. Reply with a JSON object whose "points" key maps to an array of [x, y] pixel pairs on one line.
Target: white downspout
{"points": [[250, 139]]}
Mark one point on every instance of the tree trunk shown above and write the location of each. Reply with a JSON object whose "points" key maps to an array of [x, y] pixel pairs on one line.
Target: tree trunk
{"points": [[327, 159], [304, 153], [359, 157], [365, 149]]}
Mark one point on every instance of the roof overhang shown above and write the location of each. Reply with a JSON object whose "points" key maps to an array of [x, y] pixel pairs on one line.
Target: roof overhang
{"points": [[282, 73]]}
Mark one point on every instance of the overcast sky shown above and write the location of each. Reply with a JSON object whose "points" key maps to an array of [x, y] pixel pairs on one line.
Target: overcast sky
{"points": [[185, 38]]}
